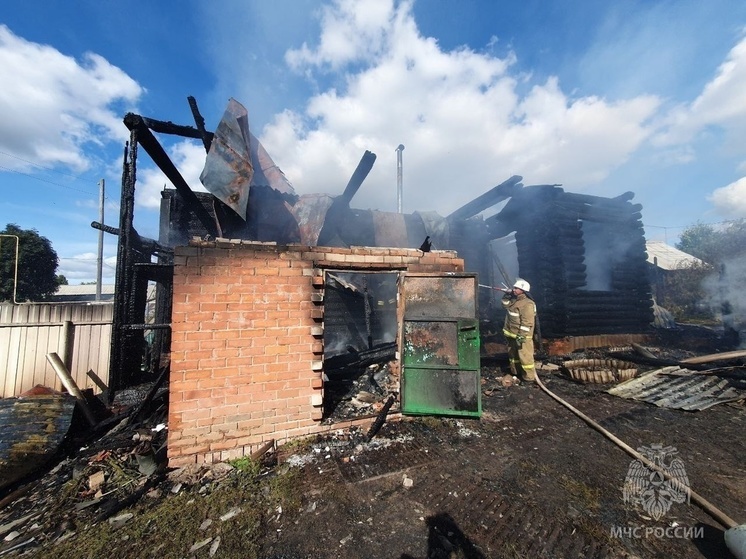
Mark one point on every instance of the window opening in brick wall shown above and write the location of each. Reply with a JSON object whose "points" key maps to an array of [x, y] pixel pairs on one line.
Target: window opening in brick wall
{"points": [[360, 329]]}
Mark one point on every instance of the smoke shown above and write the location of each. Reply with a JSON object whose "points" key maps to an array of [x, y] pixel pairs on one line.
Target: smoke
{"points": [[603, 252], [726, 296]]}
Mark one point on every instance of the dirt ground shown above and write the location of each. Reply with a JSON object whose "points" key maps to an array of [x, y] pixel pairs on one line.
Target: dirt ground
{"points": [[529, 479]]}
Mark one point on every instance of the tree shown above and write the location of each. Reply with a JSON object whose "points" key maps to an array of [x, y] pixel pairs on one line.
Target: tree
{"points": [[704, 292], [37, 265], [61, 280], [714, 246]]}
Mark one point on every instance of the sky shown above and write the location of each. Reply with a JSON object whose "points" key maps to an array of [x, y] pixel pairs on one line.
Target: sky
{"points": [[600, 97]]}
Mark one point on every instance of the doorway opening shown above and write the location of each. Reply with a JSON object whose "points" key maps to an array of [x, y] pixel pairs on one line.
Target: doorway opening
{"points": [[360, 343]]}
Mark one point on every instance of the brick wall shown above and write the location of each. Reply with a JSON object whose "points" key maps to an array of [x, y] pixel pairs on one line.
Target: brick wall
{"points": [[247, 341]]}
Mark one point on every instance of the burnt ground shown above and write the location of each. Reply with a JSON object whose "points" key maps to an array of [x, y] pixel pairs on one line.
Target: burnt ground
{"points": [[529, 479]]}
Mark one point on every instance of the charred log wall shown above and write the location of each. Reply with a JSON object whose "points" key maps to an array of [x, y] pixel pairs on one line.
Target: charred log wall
{"points": [[586, 261]]}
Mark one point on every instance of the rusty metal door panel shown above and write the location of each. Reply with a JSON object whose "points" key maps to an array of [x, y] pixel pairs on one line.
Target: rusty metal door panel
{"points": [[431, 345], [440, 346], [450, 297]]}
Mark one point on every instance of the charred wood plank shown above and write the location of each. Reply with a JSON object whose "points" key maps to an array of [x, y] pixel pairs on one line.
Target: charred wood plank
{"points": [[725, 356], [262, 450], [159, 156], [139, 412]]}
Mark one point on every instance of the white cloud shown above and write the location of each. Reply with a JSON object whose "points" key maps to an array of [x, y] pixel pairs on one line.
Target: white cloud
{"points": [[352, 30], [460, 114], [730, 200], [721, 104], [189, 158], [53, 106]]}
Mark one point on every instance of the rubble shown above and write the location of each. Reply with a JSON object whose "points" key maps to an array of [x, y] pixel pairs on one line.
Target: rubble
{"points": [[106, 487]]}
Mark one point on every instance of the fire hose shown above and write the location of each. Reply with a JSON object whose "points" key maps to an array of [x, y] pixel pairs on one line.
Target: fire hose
{"points": [[735, 535]]}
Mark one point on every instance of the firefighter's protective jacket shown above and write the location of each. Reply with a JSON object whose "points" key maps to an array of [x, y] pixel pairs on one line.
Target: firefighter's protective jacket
{"points": [[520, 316]]}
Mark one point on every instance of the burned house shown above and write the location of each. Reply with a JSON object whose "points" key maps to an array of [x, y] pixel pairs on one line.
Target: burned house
{"points": [[266, 299]]}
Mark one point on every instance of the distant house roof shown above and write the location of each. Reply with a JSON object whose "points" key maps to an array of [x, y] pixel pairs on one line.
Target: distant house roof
{"points": [[667, 257], [74, 293]]}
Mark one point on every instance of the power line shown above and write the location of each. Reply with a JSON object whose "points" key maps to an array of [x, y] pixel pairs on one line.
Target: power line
{"points": [[40, 166], [44, 180], [81, 178]]}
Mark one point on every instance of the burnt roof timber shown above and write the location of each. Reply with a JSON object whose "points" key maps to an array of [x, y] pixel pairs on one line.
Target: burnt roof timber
{"points": [[150, 245], [168, 127], [488, 199], [358, 176], [599, 200], [200, 123], [159, 156]]}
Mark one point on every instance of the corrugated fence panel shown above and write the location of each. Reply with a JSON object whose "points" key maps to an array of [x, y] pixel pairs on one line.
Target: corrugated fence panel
{"points": [[28, 332]]}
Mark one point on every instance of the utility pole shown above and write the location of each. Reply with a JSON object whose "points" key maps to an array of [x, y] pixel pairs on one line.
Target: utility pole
{"points": [[399, 186], [100, 262]]}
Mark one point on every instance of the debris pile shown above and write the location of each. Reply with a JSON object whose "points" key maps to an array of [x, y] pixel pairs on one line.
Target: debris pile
{"points": [[91, 483], [355, 393]]}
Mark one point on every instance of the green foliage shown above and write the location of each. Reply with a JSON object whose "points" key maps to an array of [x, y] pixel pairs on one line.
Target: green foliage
{"points": [[685, 296], [246, 465], [712, 245], [37, 265], [685, 291], [62, 280]]}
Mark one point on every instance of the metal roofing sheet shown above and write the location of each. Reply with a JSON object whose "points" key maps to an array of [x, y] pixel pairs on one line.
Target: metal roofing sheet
{"points": [[678, 388], [667, 257]]}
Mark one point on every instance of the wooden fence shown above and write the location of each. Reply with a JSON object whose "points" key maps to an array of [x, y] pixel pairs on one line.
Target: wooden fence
{"points": [[80, 333]]}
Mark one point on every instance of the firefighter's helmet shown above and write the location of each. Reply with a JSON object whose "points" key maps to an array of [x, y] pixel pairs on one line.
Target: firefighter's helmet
{"points": [[522, 284]]}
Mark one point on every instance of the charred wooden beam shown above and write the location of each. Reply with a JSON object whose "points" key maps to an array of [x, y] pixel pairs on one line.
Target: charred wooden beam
{"points": [[120, 370], [159, 156], [200, 122], [598, 200], [167, 127], [380, 354], [150, 245], [333, 232], [161, 273], [357, 178], [494, 196]]}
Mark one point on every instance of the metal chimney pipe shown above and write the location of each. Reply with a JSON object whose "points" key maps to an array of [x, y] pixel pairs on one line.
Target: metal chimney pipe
{"points": [[399, 186]]}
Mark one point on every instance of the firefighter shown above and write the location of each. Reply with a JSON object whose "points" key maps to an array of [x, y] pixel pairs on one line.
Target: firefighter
{"points": [[520, 319]]}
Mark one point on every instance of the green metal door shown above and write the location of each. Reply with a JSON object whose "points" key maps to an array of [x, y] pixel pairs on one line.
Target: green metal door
{"points": [[440, 345]]}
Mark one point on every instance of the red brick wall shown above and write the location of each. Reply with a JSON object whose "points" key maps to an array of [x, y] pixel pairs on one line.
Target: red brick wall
{"points": [[247, 331]]}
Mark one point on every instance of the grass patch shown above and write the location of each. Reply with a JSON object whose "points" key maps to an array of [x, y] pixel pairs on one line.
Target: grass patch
{"points": [[587, 498], [168, 526]]}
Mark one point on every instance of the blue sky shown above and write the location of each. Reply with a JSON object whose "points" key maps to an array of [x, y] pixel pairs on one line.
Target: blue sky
{"points": [[601, 97]]}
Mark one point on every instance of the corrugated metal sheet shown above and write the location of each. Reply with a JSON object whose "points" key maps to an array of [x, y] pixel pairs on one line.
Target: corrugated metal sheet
{"points": [[29, 331], [681, 389]]}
